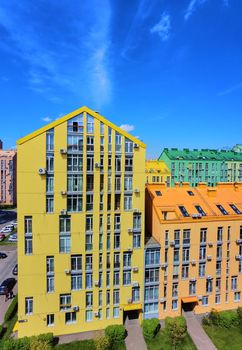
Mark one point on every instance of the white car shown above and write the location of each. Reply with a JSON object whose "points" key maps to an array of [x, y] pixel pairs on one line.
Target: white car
{"points": [[13, 238], [15, 224], [6, 229]]}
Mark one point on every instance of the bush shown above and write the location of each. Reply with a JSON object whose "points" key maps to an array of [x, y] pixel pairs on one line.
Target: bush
{"points": [[214, 317], [206, 321], [18, 344], [239, 314], [115, 333], [102, 343], [12, 309], [150, 327], [226, 319], [46, 337], [176, 329], [1, 330], [37, 344]]}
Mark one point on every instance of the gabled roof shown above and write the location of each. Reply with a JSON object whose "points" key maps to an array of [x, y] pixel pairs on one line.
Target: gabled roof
{"points": [[73, 114], [202, 155]]}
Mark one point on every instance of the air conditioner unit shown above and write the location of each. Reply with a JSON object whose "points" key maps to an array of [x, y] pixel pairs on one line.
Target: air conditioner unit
{"points": [[209, 277], [135, 284], [195, 216], [200, 297], [75, 308], [209, 257], [96, 283], [136, 190], [135, 269], [238, 257], [163, 265], [63, 212], [63, 151], [136, 210], [172, 243], [129, 300], [63, 193], [162, 300], [67, 272], [136, 145], [96, 314], [130, 250], [193, 279], [193, 262], [238, 241], [97, 165], [42, 171], [130, 230], [210, 244]]}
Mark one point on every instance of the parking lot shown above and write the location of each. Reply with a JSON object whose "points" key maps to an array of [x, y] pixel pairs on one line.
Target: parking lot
{"points": [[7, 264]]}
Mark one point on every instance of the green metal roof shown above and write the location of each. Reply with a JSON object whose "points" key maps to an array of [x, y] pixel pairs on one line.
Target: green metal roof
{"points": [[202, 155]]}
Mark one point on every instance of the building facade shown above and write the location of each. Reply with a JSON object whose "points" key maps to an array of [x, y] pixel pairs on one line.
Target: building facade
{"points": [[81, 183], [206, 165], [157, 172], [8, 168], [199, 231]]}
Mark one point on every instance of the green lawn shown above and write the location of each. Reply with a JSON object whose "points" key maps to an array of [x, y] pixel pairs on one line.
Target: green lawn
{"points": [[161, 342], [225, 338]]}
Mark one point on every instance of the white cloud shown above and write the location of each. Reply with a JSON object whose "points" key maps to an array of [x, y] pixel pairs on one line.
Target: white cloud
{"points": [[47, 119], [230, 90], [163, 27], [192, 7], [127, 127]]}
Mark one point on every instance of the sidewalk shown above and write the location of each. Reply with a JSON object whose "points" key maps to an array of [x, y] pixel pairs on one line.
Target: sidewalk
{"points": [[5, 304], [134, 339], [197, 333]]}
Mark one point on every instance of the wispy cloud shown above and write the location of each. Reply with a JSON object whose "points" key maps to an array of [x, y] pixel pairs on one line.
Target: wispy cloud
{"points": [[192, 7], [230, 90], [71, 53], [47, 119], [127, 127], [163, 27]]}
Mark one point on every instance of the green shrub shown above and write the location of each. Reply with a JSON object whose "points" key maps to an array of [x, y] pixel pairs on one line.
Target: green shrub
{"points": [[12, 309], [37, 344], [150, 327], [46, 337], [102, 343], [226, 319], [214, 317], [1, 330], [176, 329], [115, 333], [239, 313], [18, 344], [206, 321]]}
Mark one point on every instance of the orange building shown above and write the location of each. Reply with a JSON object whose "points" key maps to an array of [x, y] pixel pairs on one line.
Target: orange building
{"points": [[8, 163], [197, 235]]}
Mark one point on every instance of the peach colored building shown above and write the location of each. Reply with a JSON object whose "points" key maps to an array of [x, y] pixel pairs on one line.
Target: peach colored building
{"points": [[193, 260], [8, 162]]}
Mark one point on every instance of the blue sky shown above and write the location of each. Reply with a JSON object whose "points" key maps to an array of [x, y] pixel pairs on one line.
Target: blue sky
{"points": [[169, 70]]}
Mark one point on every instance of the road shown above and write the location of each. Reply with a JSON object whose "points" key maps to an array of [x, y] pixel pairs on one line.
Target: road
{"points": [[6, 216]]}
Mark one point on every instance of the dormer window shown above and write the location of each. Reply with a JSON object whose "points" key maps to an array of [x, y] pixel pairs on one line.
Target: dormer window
{"points": [[183, 211], [221, 208]]}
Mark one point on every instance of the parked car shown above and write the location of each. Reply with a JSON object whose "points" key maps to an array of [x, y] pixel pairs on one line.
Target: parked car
{"points": [[15, 224], [3, 255], [10, 226], [13, 238], [15, 270], [2, 236], [6, 230], [7, 286]]}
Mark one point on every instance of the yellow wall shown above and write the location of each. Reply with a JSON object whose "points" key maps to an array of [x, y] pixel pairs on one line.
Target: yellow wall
{"points": [[156, 171], [32, 268]]}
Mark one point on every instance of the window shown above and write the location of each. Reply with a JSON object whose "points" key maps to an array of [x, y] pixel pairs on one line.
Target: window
{"points": [[74, 203], [76, 281], [70, 317], [74, 183], [116, 240], [174, 290], [158, 193], [127, 202], [65, 301], [89, 244], [209, 285], [128, 183], [200, 210], [235, 209], [135, 294], [50, 320], [90, 163], [151, 307], [116, 278], [50, 140], [65, 224], [126, 277], [117, 163], [90, 124], [186, 236], [234, 282], [116, 296], [151, 293], [202, 253], [202, 268], [116, 312], [89, 262], [50, 163], [116, 260], [75, 124], [49, 204], [205, 300], [221, 208], [89, 280], [76, 263], [118, 144], [90, 144], [88, 315], [152, 256], [176, 255], [28, 306], [49, 183], [220, 234], [185, 271], [128, 164], [127, 260], [74, 143], [174, 304], [50, 284], [190, 193], [89, 300], [28, 245], [117, 222], [183, 211], [128, 146], [101, 128], [74, 163], [192, 287], [236, 296], [151, 275], [185, 254], [64, 244], [136, 240]]}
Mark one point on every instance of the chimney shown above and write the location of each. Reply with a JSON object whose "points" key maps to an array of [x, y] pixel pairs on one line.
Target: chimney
{"points": [[1, 144]]}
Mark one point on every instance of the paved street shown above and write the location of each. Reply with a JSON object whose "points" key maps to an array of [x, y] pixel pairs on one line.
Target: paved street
{"points": [[6, 216]]}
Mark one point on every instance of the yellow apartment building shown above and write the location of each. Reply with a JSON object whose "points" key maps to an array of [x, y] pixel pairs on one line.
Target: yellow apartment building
{"points": [[193, 259], [81, 189], [157, 172]]}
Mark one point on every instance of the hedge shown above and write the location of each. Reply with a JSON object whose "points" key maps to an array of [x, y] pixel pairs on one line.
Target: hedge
{"points": [[226, 319], [29, 343], [150, 327], [12, 309], [115, 333]]}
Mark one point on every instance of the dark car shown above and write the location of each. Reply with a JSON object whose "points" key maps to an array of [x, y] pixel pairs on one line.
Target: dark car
{"points": [[3, 255], [7, 285], [15, 270]]}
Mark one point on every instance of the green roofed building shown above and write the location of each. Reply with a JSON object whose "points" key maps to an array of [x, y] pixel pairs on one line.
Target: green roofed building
{"points": [[205, 165]]}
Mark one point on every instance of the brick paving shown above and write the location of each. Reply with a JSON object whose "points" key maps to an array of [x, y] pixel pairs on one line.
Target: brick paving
{"points": [[134, 339], [197, 333]]}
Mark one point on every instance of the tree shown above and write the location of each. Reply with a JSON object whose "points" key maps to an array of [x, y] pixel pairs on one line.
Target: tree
{"points": [[176, 329]]}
